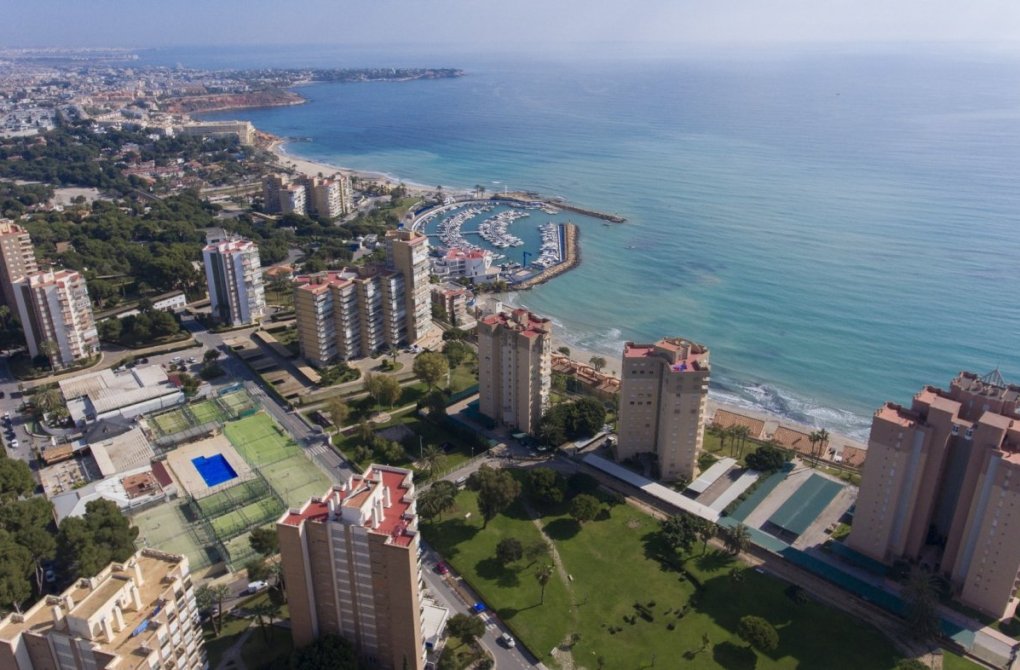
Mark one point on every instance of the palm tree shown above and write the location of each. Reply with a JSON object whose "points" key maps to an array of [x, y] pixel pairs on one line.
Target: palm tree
{"points": [[276, 572], [737, 539], [823, 441], [731, 433], [740, 434], [597, 362], [432, 458], [543, 575], [219, 592], [265, 611]]}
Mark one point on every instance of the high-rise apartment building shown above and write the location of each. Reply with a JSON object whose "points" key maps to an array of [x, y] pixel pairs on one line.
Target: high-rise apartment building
{"points": [[941, 486], [351, 564], [56, 314], [294, 199], [17, 259], [407, 252], [324, 197], [329, 198], [663, 392], [233, 273], [139, 615], [352, 313], [284, 196], [514, 368]]}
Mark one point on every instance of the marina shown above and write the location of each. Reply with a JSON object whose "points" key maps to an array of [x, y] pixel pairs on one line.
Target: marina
{"points": [[523, 251]]}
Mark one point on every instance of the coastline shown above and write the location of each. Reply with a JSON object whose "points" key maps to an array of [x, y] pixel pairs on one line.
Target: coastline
{"points": [[312, 168], [838, 441]]}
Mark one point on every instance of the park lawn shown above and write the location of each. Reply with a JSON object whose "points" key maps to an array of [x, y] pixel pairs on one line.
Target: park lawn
{"points": [[513, 593], [953, 661], [216, 646], [463, 376], [431, 433], [611, 571], [260, 654]]}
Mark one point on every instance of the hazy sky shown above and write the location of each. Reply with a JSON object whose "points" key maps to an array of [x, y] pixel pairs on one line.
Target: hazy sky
{"points": [[508, 25]]}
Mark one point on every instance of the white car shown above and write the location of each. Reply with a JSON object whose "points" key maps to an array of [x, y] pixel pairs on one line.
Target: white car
{"points": [[508, 640], [14, 444], [255, 587]]}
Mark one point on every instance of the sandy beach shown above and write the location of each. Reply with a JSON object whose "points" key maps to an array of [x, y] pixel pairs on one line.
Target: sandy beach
{"points": [[312, 168]]}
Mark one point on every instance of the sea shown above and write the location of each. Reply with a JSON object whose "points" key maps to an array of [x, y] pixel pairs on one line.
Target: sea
{"points": [[840, 227]]}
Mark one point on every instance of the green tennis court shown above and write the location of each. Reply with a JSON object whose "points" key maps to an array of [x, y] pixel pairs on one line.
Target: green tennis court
{"points": [[171, 422], [278, 458], [243, 519], [168, 528], [207, 411], [236, 402]]}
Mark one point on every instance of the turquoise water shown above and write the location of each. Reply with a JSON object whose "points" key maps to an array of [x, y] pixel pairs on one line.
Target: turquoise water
{"points": [[839, 229]]}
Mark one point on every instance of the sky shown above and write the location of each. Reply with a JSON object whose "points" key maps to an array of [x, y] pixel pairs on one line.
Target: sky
{"points": [[543, 25]]}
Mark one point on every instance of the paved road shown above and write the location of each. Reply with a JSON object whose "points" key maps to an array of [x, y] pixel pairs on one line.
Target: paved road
{"points": [[451, 592]]}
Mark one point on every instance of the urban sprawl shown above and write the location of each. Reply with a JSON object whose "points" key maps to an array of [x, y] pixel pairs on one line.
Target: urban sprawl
{"points": [[239, 387]]}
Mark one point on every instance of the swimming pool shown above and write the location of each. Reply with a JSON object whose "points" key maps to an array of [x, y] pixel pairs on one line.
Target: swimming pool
{"points": [[214, 469]]}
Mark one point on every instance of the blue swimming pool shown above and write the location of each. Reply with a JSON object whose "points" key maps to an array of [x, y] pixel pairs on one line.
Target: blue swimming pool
{"points": [[214, 469]]}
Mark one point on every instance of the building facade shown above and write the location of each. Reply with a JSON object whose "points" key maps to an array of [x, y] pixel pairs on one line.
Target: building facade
{"points": [[663, 395], [56, 314], [17, 259], [139, 615], [244, 131], [514, 368], [407, 252], [233, 274], [358, 312], [469, 264], [329, 198], [941, 486], [351, 564], [453, 302]]}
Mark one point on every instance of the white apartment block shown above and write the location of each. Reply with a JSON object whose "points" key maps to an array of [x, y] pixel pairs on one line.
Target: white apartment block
{"points": [[56, 313], [464, 263], [234, 275], [139, 615]]}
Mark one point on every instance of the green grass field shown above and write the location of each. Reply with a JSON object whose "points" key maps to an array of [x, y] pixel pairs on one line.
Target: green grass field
{"points": [[277, 457], [612, 568]]}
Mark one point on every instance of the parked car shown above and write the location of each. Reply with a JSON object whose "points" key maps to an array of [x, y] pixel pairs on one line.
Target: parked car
{"points": [[508, 640], [478, 607], [14, 444], [442, 568], [257, 586]]}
